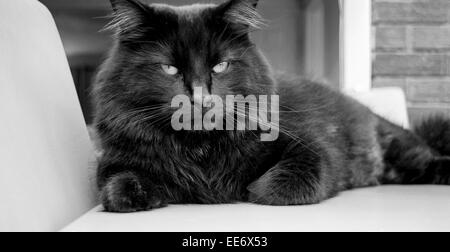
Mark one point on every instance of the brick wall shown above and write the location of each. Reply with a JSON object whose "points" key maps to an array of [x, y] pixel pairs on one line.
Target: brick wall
{"points": [[412, 51]]}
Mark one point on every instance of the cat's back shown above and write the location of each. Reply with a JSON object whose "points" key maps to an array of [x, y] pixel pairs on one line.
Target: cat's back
{"points": [[313, 107], [295, 91], [308, 96]]}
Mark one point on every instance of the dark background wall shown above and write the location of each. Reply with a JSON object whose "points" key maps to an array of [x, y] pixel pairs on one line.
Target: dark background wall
{"points": [[79, 23], [412, 51], [283, 41]]}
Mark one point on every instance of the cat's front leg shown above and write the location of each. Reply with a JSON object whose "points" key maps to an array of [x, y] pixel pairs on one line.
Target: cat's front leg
{"points": [[128, 192], [298, 179]]}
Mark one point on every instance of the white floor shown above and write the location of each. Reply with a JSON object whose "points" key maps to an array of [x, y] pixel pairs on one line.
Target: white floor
{"points": [[390, 208]]}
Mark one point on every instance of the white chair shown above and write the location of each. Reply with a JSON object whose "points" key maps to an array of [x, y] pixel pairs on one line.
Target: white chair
{"points": [[44, 146], [47, 165]]}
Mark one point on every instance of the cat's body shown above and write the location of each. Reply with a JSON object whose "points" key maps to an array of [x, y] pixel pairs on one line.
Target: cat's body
{"points": [[328, 142]]}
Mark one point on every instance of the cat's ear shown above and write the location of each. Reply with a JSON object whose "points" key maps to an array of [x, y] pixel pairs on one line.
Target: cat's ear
{"points": [[243, 12], [128, 17]]}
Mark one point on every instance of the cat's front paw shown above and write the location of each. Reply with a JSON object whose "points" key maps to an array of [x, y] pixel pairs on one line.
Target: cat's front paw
{"points": [[124, 193], [263, 192], [282, 187]]}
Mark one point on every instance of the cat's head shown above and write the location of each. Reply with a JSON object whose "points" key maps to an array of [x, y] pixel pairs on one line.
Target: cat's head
{"points": [[163, 51]]}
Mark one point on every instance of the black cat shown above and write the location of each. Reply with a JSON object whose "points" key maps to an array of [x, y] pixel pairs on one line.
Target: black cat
{"points": [[327, 143]]}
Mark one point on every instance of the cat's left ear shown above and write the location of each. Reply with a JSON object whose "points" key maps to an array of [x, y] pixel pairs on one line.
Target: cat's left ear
{"points": [[128, 17], [242, 12]]}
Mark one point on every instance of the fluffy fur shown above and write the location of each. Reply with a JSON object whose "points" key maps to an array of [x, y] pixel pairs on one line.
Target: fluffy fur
{"points": [[328, 142], [436, 132]]}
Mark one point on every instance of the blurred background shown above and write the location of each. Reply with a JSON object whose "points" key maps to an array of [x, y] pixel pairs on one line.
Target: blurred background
{"points": [[303, 38]]}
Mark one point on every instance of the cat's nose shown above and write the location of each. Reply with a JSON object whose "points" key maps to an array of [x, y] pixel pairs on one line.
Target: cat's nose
{"points": [[201, 97]]}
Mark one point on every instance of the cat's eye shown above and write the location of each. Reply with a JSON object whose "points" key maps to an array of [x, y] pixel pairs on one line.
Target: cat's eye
{"points": [[170, 70], [222, 67]]}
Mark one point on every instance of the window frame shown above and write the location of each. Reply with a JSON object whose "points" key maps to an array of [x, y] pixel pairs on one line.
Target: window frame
{"points": [[356, 45]]}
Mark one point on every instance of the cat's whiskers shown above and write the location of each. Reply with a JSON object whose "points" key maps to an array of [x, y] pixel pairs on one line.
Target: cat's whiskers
{"points": [[234, 123], [148, 117], [280, 128], [137, 112], [291, 110]]}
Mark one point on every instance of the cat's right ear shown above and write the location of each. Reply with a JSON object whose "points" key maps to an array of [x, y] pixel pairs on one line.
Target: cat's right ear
{"points": [[242, 13], [127, 18]]}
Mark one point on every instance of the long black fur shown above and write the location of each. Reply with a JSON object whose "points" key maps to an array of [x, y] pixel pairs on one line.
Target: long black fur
{"points": [[328, 141], [436, 132]]}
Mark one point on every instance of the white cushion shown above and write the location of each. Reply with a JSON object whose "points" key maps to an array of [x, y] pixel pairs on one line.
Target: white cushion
{"points": [[44, 144], [393, 208], [389, 102]]}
